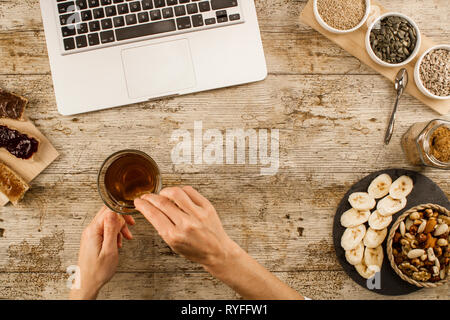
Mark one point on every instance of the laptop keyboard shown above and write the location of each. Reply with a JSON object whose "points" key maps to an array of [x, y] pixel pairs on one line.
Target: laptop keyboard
{"points": [[92, 24]]}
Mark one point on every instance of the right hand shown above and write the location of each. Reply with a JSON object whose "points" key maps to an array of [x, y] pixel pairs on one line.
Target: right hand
{"points": [[188, 223]]}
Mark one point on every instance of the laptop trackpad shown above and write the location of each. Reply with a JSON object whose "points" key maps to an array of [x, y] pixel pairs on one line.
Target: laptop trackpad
{"points": [[158, 69]]}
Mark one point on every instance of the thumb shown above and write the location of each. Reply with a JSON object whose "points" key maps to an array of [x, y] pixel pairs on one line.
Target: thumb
{"points": [[111, 228]]}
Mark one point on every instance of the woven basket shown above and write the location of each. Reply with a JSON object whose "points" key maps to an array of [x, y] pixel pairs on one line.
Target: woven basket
{"points": [[394, 228]]}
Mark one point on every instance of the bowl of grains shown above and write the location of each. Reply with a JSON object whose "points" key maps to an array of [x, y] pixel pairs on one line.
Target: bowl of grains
{"points": [[341, 16], [393, 40], [431, 73]]}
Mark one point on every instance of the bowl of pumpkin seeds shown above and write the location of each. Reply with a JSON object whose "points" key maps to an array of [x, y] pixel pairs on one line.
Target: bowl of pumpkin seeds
{"points": [[393, 40]]}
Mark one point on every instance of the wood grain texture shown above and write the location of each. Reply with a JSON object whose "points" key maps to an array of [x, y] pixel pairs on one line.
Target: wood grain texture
{"points": [[331, 111]]}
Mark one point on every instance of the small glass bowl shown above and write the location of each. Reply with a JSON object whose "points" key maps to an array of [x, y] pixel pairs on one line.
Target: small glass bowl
{"points": [[105, 195]]}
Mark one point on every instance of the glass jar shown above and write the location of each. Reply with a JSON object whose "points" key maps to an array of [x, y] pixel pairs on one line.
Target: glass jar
{"points": [[418, 145]]}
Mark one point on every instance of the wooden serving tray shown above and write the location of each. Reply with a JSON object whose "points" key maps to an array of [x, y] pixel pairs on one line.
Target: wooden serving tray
{"points": [[27, 169], [354, 43]]}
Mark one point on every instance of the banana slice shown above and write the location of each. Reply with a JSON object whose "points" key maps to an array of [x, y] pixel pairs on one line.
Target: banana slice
{"points": [[379, 187], [367, 272], [401, 187], [374, 238], [355, 256], [389, 206], [374, 256], [352, 237], [379, 222], [361, 201], [353, 218]]}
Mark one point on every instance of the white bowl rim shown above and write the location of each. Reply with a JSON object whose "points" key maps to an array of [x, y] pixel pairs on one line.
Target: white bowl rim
{"points": [[412, 55], [338, 31], [417, 78]]}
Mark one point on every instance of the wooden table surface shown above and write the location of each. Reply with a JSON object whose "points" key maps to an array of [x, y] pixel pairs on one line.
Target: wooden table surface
{"points": [[331, 111]]}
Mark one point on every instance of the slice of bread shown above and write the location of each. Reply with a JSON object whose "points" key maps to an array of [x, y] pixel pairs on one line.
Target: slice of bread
{"points": [[11, 184], [12, 106]]}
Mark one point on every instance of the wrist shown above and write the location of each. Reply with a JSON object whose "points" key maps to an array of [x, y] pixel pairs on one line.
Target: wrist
{"points": [[85, 293], [227, 260]]}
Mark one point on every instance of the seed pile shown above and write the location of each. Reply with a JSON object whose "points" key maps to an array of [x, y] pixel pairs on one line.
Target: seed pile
{"points": [[394, 40], [342, 14], [434, 72], [440, 144]]}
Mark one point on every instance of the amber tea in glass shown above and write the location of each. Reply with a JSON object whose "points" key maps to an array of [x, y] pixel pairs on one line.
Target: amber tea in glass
{"points": [[125, 176]]}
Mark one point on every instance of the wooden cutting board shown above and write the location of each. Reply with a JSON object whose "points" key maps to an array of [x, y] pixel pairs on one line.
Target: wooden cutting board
{"points": [[27, 169], [354, 43]]}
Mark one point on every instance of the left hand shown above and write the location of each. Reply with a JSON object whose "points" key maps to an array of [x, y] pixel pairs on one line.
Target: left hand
{"points": [[99, 254]]}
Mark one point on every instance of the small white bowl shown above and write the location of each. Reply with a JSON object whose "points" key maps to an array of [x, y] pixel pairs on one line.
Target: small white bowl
{"points": [[334, 30], [413, 54], [417, 73]]}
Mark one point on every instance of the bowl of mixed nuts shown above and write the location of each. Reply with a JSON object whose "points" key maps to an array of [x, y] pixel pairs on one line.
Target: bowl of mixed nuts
{"points": [[393, 40], [417, 245]]}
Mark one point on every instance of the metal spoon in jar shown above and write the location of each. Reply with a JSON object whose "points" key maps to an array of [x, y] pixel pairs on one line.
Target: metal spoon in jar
{"points": [[401, 80]]}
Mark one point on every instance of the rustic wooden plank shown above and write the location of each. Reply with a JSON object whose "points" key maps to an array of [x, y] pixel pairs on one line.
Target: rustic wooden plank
{"points": [[319, 116], [294, 49], [284, 221], [158, 286], [273, 15]]}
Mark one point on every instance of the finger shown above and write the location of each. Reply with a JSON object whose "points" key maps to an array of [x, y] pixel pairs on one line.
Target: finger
{"points": [[126, 232], [180, 198], [165, 206], [159, 220], [112, 225], [119, 241], [97, 220], [129, 220], [196, 197]]}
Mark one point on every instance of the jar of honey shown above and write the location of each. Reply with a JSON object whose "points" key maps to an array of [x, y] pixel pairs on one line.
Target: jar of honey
{"points": [[428, 144]]}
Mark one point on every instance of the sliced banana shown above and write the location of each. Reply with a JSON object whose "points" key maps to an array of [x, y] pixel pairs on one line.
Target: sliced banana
{"points": [[367, 272], [401, 187], [379, 222], [379, 187], [353, 218], [361, 201], [374, 256], [355, 256], [374, 238], [352, 237], [389, 206]]}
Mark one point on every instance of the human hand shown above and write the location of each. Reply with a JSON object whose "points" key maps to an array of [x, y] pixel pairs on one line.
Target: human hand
{"points": [[189, 224], [99, 255]]}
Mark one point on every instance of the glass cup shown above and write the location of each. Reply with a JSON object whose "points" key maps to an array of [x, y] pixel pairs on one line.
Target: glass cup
{"points": [[125, 176]]}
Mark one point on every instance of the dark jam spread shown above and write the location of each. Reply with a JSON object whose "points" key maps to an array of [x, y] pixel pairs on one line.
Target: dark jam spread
{"points": [[18, 144]]}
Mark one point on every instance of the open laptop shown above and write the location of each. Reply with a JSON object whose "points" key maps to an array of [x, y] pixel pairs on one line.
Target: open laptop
{"points": [[108, 53]]}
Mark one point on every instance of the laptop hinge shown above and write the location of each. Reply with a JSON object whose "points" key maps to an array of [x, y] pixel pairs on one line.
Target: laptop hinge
{"points": [[164, 97]]}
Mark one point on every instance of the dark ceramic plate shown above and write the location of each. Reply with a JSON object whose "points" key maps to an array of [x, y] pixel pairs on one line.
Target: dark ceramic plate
{"points": [[424, 191]]}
